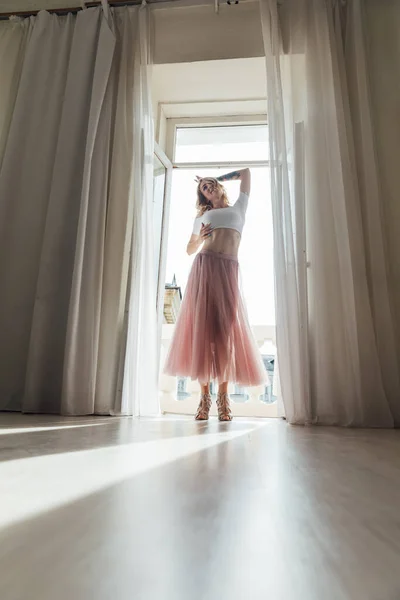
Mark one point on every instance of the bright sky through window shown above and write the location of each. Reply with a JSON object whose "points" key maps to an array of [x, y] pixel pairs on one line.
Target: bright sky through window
{"points": [[222, 144]]}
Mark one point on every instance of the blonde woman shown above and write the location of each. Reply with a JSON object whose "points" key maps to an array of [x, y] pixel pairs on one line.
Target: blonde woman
{"points": [[212, 338]]}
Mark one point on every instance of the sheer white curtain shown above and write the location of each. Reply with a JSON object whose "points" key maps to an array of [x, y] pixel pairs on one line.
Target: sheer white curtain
{"points": [[69, 204], [289, 257], [336, 314], [140, 382]]}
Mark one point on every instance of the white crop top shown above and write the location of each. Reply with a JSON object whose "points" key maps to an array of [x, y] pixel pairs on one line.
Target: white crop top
{"points": [[231, 217]]}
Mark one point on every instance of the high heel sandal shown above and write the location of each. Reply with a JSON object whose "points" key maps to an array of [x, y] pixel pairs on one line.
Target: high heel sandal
{"points": [[203, 410], [224, 408]]}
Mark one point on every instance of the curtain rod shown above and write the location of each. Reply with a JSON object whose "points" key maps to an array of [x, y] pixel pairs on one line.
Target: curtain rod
{"points": [[75, 9]]}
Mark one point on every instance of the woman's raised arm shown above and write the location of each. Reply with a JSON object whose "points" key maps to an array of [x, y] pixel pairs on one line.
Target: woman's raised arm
{"points": [[243, 175]]}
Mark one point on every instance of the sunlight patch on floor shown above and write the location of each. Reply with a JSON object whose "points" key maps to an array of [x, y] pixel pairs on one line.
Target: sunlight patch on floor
{"points": [[18, 430], [34, 485]]}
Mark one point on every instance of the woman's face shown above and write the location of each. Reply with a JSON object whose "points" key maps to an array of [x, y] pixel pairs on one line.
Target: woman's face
{"points": [[211, 190]]}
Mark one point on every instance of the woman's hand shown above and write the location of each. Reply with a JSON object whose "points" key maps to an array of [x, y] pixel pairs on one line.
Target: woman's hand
{"points": [[198, 179], [196, 240], [205, 231]]}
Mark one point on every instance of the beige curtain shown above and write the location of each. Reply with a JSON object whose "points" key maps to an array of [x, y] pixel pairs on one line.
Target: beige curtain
{"points": [[356, 27], [67, 209], [381, 22], [13, 37]]}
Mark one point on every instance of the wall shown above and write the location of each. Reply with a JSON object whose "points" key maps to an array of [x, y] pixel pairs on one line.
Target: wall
{"points": [[197, 33], [209, 81], [207, 87]]}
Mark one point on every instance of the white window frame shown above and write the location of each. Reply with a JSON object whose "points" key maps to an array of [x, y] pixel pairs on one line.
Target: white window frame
{"points": [[162, 262], [176, 123]]}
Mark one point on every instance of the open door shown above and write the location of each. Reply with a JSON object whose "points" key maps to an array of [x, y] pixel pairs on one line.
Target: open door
{"points": [[161, 203]]}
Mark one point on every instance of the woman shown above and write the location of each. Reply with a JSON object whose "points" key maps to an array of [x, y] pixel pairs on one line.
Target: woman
{"points": [[212, 338]]}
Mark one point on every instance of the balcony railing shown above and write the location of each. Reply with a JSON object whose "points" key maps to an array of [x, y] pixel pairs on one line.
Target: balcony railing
{"points": [[182, 396]]}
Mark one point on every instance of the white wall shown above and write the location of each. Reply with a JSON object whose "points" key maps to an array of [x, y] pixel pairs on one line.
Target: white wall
{"points": [[237, 79], [206, 87], [197, 33]]}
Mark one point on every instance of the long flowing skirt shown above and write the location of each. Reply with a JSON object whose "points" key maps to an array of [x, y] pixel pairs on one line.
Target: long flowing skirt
{"points": [[212, 338]]}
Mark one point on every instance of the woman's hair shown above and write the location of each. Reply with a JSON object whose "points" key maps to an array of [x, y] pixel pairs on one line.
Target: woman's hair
{"points": [[202, 204]]}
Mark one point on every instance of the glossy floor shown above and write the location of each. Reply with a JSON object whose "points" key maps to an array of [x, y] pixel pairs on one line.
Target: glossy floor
{"points": [[170, 509]]}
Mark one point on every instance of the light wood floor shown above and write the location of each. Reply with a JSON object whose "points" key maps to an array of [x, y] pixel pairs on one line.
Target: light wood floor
{"points": [[170, 509]]}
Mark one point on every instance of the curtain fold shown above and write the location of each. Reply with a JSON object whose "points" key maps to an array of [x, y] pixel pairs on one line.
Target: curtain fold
{"points": [[140, 381], [290, 278], [381, 24], [83, 327], [13, 38], [353, 38], [317, 75], [67, 211]]}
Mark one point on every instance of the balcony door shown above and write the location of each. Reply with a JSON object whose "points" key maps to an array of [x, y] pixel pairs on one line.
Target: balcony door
{"points": [[210, 148]]}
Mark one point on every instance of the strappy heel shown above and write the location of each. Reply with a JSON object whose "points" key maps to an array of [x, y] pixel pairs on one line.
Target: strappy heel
{"points": [[224, 407], [203, 410]]}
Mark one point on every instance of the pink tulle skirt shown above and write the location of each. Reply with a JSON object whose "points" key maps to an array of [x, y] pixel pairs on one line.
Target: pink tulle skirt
{"points": [[212, 338]]}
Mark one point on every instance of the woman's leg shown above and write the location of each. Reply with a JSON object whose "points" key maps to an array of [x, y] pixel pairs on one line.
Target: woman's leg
{"points": [[205, 389], [223, 388], [203, 410], [223, 404]]}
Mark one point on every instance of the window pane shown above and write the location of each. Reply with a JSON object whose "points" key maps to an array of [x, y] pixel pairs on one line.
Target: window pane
{"points": [[221, 144]]}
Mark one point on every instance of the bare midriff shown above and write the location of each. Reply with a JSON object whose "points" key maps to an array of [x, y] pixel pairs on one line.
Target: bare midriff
{"points": [[223, 241]]}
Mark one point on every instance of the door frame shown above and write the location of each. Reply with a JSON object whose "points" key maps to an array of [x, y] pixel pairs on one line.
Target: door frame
{"points": [[169, 404], [162, 263]]}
